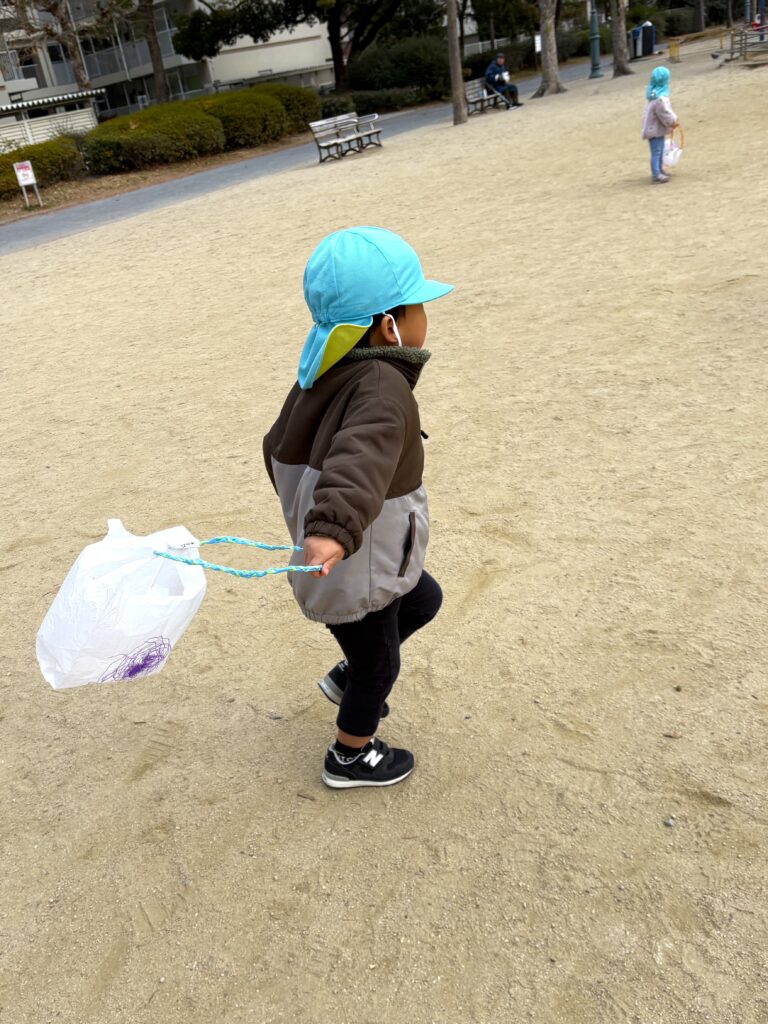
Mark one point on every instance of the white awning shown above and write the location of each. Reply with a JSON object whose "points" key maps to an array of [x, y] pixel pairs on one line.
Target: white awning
{"points": [[51, 101]]}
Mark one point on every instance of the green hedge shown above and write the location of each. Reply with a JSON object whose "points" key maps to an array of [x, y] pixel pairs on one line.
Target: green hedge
{"points": [[170, 132], [379, 101], [519, 56], [301, 105], [159, 135], [52, 161], [575, 43], [249, 117], [676, 22], [420, 62]]}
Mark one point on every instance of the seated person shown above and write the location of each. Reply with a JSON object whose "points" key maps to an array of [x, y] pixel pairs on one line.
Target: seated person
{"points": [[497, 80]]}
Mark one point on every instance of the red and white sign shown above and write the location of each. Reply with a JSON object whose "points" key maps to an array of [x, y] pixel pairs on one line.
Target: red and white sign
{"points": [[24, 174]]}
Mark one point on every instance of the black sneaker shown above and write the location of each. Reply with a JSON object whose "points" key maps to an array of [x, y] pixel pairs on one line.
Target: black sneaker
{"points": [[375, 765], [335, 683]]}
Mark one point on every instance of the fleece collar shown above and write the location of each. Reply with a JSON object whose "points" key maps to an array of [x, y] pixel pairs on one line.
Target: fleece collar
{"points": [[409, 361]]}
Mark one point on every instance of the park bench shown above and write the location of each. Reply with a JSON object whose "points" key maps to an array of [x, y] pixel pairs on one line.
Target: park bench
{"points": [[345, 133], [479, 97]]}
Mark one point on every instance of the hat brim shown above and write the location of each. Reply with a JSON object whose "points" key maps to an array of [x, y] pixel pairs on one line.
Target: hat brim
{"points": [[426, 291]]}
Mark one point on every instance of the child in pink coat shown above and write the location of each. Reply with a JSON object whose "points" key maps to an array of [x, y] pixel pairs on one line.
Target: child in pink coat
{"points": [[658, 119]]}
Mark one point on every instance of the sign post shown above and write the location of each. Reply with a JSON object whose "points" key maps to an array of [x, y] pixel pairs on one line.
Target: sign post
{"points": [[26, 179]]}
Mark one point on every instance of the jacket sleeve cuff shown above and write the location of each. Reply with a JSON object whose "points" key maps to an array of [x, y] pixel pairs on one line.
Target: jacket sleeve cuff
{"points": [[317, 528]]}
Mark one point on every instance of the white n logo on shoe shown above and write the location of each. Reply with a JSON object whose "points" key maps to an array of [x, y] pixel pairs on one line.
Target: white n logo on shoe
{"points": [[372, 758]]}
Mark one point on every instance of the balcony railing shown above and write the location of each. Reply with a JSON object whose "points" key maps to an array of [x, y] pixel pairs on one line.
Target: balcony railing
{"points": [[115, 59], [10, 68], [63, 73]]}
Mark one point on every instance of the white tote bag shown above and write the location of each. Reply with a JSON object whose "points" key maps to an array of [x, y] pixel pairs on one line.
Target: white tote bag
{"points": [[121, 609], [673, 149]]}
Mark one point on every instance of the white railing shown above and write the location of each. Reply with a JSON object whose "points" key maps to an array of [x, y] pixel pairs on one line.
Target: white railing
{"points": [[40, 129], [63, 73], [133, 55], [10, 69], [472, 48]]}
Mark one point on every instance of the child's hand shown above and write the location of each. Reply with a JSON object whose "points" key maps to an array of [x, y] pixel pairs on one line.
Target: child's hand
{"points": [[323, 550]]}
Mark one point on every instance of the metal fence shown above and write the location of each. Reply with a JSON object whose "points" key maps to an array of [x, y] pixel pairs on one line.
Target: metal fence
{"points": [[10, 68], [131, 55], [750, 45], [470, 49]]}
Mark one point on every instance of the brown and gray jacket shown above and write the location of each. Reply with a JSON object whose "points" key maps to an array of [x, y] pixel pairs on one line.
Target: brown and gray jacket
{"points": [[346, 459]]}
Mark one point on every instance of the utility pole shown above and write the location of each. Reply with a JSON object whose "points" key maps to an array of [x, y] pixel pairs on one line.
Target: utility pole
{"points": [[454, 63]]}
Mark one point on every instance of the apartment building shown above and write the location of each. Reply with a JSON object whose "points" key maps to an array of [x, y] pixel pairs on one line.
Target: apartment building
{"points": [[34, 67]]}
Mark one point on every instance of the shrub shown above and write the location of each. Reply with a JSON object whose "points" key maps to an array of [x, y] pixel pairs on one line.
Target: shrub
{"points": [[575, 43], [420, 62], [679, 21], [637, 13], [519, 56], [159, 135], [372, 101], [112, 150], [336, 103], [52, 161], [301, 105], [249, 117]]}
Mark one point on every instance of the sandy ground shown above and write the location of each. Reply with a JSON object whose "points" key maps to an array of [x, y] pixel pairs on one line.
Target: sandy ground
{"points": [[597, 470]]}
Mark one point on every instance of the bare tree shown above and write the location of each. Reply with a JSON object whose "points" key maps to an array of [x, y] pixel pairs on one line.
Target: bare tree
{"points": [[52, 20], [454, 61], [145, 18], [141, 15], [701, 15], [463, 7], [619, 39], [550, 74]]}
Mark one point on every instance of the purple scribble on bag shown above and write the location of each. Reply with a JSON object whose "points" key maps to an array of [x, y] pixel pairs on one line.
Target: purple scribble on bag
{"points": [[141, 662]]}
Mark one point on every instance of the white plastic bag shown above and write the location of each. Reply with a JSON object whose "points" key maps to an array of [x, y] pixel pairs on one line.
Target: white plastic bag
{"points": [[121, 608], [672, 152]]}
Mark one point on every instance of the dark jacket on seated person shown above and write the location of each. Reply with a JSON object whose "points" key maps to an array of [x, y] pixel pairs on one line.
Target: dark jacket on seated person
{"points": [[494, 76]]}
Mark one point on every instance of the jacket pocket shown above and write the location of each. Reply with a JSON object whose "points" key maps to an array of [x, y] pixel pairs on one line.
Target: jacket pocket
{"points": [[410, 540]]}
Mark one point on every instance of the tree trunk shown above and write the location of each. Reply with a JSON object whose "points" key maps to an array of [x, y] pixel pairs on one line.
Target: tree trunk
{"points": [[71, 44], [619, 40], [729, 14], [550, 74], [337, 50], [146, 13], [454, 61], [701, 15], [462, 15]]}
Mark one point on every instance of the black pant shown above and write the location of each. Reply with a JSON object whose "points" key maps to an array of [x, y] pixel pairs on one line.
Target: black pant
{"points": [[372, 649], [508, 92]]}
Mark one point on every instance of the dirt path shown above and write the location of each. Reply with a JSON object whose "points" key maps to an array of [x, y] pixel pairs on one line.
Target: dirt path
{"points": [[596, 406]]}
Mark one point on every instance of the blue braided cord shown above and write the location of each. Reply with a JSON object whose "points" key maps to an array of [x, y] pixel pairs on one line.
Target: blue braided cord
{"points": [[244, 574], [251, 544]]}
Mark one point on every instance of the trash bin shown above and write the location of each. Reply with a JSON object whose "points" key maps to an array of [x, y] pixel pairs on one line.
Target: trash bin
{"points": [[648, 39], [641, 41], [635, 42]]}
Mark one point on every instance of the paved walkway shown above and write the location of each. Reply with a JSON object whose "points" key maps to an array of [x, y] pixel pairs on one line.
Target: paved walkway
{"points": [[31, 231]]}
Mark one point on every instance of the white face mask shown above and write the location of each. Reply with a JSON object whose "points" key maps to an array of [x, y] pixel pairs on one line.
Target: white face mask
{"points": [[394, 328]]}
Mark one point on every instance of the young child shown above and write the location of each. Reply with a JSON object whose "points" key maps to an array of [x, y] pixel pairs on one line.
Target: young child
{"points": [[346, 458], [658, 119]]}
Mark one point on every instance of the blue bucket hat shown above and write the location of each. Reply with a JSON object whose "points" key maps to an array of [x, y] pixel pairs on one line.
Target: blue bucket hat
{"points": [[351, 276], [659, 84]]}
